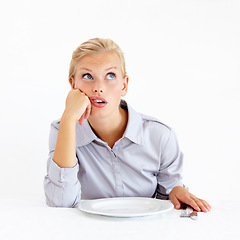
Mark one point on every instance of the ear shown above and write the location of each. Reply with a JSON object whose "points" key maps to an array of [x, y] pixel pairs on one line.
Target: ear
{"points": [[72, 82], [125, 86]]}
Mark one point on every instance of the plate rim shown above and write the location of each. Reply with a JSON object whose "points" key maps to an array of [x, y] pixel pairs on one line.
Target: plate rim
{"points": [[123, 215]]}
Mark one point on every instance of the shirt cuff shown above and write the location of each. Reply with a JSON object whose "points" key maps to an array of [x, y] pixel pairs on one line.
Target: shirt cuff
{"points": [[62, 175], [180, 184]]}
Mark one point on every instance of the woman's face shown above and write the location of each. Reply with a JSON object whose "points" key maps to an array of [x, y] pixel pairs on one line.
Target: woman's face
{"points": [[100, 77]]}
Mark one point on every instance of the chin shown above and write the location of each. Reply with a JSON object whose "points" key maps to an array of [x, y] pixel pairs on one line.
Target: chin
{"points": [[98, 112]]}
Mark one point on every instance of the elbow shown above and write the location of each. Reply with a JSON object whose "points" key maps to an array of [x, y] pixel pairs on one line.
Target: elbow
{"points": [[53, 200], [58, 196], [52, 203]]}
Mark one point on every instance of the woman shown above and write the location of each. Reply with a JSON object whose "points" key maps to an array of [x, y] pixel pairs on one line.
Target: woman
{"points": [[101, 147]]}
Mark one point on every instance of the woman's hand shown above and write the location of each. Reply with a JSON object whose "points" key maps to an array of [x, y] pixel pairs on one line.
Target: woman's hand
{"points": [[180, 195], [78, 106]]}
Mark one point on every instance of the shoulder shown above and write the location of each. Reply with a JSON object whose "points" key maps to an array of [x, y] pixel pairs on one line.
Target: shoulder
{"points": [[154, 131], [154, 123], [55, 124], [146, 129], [158, 135], [143, 120]]}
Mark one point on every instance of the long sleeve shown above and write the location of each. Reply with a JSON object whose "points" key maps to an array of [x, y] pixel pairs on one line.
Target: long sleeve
{"points": [[145, 162], [170, 172], [61, 185]]}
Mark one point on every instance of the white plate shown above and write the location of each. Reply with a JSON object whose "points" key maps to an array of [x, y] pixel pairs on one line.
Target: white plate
{"points": [[125, 206]]}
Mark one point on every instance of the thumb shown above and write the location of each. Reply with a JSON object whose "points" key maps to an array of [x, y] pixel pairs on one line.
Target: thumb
{"points": [[81, 120]]}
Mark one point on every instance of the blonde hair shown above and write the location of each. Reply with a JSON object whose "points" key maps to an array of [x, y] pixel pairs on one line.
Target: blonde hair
{"points": [[93, 46]]}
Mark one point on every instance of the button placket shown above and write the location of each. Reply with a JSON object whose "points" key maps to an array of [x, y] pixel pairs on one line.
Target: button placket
{"points": [[117, 174]]}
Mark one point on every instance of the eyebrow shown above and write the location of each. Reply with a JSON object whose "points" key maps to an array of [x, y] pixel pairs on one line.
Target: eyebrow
{"points": [[89, 70], [86, 69], [110, 68]]}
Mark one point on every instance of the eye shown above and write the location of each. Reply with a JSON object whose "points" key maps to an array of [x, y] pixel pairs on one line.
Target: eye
{"points": [[111, 75], [87, 76]]}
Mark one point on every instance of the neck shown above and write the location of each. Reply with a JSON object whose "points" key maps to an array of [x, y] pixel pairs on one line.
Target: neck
{"points": [[110, 129]]}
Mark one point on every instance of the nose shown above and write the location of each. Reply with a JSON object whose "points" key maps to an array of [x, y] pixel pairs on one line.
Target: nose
{"points": [[97, 90], [97, 87]]}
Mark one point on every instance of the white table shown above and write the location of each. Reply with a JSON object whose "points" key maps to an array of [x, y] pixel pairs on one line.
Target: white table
{"points": [[30, 218]]}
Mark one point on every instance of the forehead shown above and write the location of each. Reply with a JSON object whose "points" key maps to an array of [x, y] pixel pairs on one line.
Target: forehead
{"points": [[102, 59]]}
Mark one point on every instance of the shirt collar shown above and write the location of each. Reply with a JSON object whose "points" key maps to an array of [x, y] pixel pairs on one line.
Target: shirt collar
{"points": [[134, 130], [85, 134]]}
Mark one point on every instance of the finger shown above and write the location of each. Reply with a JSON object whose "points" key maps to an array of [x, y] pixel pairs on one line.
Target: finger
{"points": [[88, 109], [81, 120], [200, 205], [85, 115], [81, 91], [206, 206], [87, 112], [192, 203], [175, 202]]}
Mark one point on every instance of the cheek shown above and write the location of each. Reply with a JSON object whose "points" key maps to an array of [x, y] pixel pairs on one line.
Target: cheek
{"points": [[115, 94], [115, 87], [81, 85]]}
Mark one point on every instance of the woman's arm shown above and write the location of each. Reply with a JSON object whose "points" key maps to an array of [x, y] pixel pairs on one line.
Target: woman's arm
{"points": [[65, 151], [170, 177], [61, 185], [77, 109]]}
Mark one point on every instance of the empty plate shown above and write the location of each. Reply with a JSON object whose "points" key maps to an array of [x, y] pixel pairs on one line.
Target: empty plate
{"points": [[125, 206]]}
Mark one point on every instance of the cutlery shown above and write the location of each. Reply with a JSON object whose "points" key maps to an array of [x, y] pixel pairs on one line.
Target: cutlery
{"points": [[189, 212]]}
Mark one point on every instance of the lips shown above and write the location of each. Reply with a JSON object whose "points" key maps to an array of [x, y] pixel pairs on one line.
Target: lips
{"points": [[98, 102]]}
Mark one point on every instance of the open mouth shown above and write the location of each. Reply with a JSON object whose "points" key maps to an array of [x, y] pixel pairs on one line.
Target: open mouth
{"points": [[98, 102]]}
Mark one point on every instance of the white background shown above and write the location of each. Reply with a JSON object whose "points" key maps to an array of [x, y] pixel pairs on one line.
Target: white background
{"points": [[183, 59]]}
